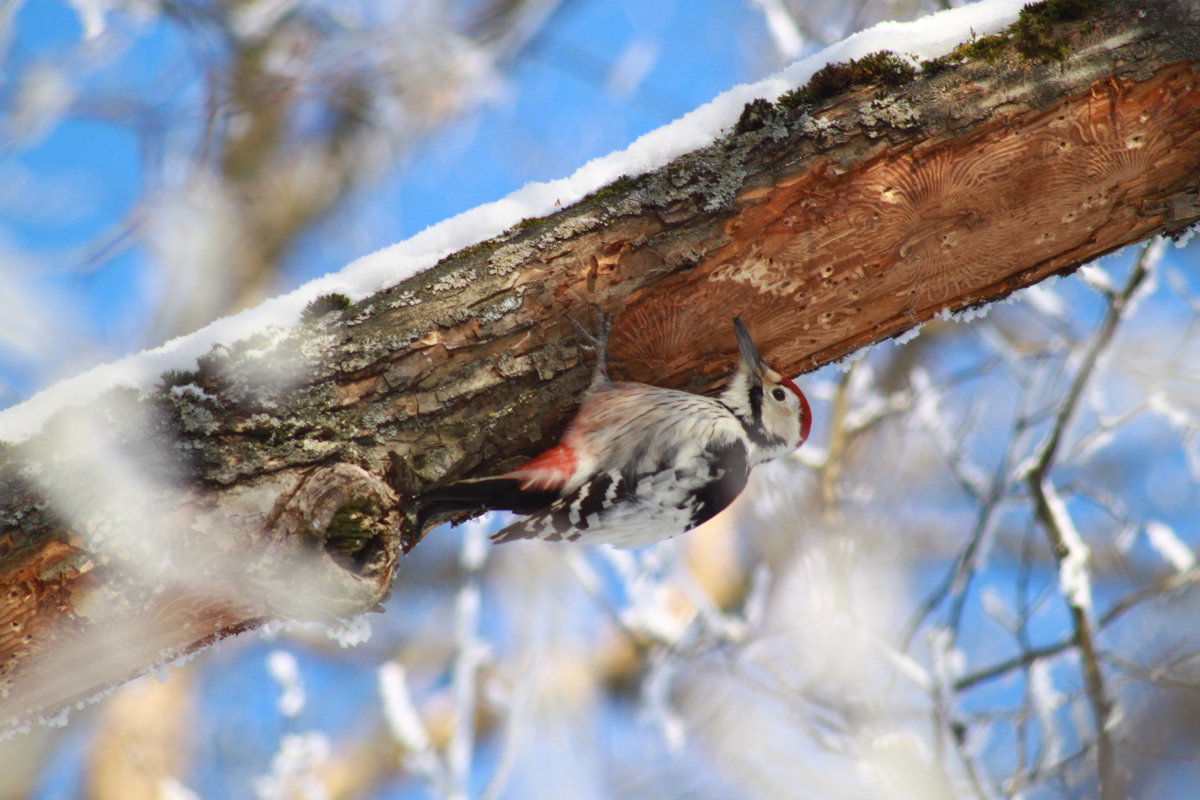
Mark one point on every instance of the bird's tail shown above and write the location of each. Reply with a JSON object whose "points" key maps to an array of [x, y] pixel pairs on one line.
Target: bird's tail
{"points": [[476, 495]]}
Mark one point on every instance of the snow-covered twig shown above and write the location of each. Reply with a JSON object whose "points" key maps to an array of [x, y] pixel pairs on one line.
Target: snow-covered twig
{"points": [[407, 728], [300, 756], [945, 661], [1054, 518], [471, 652]]}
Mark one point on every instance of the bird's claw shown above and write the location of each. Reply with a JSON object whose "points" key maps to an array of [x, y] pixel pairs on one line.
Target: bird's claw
{"points": [[594, 342]]}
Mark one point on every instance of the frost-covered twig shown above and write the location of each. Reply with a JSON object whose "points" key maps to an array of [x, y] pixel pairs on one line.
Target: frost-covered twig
{"points": [[1054, 518], [958, 578], [286, 672], [1157, 676], [449, 775], [590, 581], [407, 728], [1168, 584], [1025, 659], [943, 658], [517, 719], [989, 495], [839, 435], [471, 651], [1030, 655], [1117, 305], [1021, 631], [295, 768]]}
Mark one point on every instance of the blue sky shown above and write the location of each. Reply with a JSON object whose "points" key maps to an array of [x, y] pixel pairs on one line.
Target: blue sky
{"points": [[555, 112]]}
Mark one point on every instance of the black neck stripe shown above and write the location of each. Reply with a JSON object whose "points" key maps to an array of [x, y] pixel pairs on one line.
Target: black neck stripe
{"points": [[756, 402], [754, 429]]}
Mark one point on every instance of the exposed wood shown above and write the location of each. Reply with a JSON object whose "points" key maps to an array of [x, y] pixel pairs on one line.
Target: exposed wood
{"points": [[272, 482]]}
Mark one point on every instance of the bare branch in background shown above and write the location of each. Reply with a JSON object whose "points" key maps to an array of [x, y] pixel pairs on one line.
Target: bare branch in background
{"points": [[1069, 549]]}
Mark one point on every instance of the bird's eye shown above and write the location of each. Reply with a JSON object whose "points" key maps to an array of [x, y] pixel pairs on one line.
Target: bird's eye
{"points": [[778, 394]]}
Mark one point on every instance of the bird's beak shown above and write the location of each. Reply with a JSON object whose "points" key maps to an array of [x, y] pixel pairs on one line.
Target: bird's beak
{"points": [[750, 357]]}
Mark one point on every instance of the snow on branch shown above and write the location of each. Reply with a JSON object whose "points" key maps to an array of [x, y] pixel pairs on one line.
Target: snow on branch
{"points": [[926, 38]]}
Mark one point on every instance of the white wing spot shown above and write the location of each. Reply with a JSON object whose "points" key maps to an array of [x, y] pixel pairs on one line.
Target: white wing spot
{"points": [[611, 493]]}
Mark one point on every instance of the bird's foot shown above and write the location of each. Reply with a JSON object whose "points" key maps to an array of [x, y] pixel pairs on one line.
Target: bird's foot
{"points": [[597, 342]]}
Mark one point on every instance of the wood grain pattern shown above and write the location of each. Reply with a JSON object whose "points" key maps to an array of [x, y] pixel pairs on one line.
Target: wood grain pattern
{"points": [[828, 260]]}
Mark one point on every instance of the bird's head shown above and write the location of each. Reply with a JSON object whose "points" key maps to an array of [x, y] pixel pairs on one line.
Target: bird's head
{"points": [[772, 408]]}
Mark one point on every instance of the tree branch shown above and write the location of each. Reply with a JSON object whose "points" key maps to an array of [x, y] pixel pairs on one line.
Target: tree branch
{"points": [[1051, 513]]}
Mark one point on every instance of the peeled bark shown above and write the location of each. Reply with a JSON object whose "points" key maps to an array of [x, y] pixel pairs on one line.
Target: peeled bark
{"points": [[273, 482]]}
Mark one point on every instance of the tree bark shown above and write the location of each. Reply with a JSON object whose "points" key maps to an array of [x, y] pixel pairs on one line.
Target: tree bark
{"points": [[273, 481]]}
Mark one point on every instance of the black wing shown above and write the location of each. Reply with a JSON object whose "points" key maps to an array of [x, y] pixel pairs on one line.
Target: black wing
{"points": [[567, 517], [479, 495], [728, 472]]}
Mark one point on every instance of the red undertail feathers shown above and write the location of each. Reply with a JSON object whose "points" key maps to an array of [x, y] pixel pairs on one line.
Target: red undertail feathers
{"points": [[548, 472]]}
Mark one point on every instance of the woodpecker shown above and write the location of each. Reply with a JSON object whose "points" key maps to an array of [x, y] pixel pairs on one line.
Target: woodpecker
{"points": [[641, 463]]}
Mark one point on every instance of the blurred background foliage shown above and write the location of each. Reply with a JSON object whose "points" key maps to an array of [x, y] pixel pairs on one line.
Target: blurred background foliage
{"points": [[986, 549]]}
